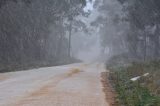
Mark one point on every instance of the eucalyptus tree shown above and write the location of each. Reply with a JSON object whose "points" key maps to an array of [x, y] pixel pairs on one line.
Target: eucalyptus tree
{"points": [[33, 31], [143, 16], [109, 22]]}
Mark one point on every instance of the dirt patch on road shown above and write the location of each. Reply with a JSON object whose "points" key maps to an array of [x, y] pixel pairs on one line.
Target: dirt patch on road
{"points": [[48, 88], [108, 90], [42, 91], [74, 71], [54, 81], [3, 77]]}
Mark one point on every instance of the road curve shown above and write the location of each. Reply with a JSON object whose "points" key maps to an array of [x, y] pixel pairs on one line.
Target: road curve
{"points": [[69, 85]]}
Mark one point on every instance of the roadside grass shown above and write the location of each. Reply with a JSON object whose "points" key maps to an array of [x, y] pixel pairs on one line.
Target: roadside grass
{"points": [[142, 92]]}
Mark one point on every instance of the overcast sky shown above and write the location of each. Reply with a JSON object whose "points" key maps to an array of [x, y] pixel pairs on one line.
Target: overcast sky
{"points": [[89, 6]]}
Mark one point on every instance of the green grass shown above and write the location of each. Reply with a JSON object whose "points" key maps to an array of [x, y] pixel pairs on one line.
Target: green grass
{"points": [[143, 92]]}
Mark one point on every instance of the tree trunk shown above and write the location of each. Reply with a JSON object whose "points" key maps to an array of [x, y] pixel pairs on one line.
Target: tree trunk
{"points": [[157, 45], [70, 36]]}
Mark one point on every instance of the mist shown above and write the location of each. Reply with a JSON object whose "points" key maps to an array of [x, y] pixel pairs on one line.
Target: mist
{"points": [[54, 32], [93, 46], [79, 52]]}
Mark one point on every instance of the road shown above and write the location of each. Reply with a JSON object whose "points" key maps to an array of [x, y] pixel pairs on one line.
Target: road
{"points": [[68, 85]]}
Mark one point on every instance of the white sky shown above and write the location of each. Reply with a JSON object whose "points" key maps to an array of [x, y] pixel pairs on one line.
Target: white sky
{"points": [[89, 6]]}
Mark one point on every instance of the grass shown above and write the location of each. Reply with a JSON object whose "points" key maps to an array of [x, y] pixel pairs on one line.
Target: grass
{"points": [[143, 92]]}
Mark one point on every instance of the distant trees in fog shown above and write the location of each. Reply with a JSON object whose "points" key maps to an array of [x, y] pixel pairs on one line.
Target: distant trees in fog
{"points": [[144, 34], [34, 31], [131, 27]]}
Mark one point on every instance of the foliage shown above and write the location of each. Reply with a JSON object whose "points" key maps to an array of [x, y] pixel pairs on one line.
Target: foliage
{"points": [[144, 91], [130, 26], [34, 31]]}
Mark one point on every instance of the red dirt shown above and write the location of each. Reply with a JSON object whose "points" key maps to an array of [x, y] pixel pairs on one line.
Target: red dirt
{"points": [[108, 90]]}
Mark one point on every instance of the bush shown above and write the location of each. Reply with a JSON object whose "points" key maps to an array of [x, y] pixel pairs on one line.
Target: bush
{"points": [[143, 92]]}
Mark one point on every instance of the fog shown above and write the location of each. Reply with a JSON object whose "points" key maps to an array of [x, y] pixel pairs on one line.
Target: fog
{"points": [[78, 52], [88, 47], [54, 32]]}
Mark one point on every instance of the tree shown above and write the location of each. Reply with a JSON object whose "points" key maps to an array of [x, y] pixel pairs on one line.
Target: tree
{"points": [[143, 16], [26, 30]]}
